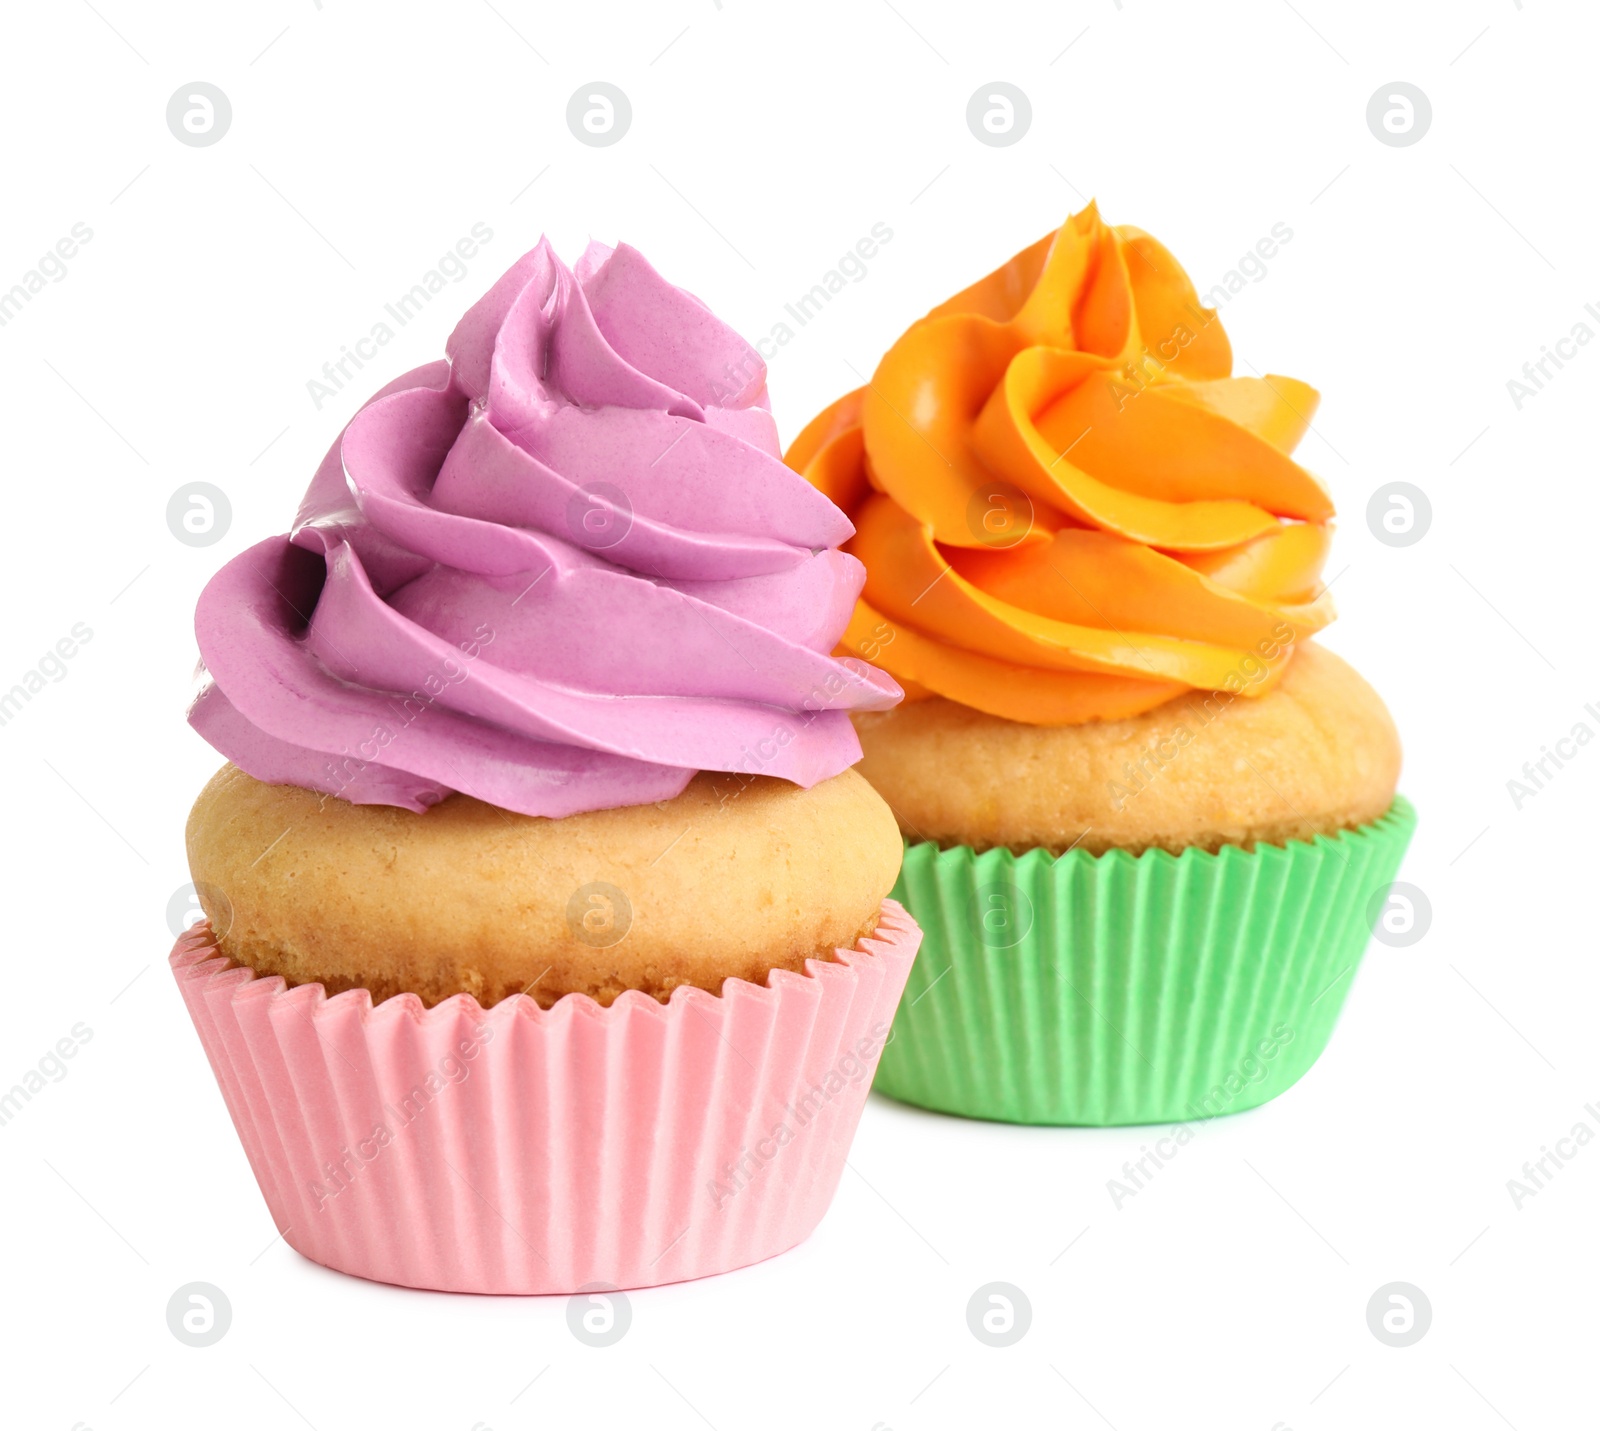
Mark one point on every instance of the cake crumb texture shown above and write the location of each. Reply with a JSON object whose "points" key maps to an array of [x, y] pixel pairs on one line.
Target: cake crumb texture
{"points": [[737, 876], [1316, 754]]}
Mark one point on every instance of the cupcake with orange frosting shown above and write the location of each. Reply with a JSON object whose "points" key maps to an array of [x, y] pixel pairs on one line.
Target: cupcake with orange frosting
{"points": [[1148, 820]]}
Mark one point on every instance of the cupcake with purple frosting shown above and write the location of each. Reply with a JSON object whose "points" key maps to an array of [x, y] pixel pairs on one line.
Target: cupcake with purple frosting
{"points": [[547, 942]]}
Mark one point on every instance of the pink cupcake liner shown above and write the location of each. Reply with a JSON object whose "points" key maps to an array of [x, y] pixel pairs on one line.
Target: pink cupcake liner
{"points": [[525, 1150]]}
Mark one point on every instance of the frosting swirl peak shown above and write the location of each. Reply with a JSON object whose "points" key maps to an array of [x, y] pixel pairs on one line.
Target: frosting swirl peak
{"points": [[561, 570], [1068, 508]]}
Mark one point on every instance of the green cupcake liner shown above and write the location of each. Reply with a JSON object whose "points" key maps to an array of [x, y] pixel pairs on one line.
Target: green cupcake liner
{"points": [[1118, 988]]}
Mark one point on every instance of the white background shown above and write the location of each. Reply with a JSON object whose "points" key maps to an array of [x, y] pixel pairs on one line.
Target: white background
{"points": [[766, 139]]}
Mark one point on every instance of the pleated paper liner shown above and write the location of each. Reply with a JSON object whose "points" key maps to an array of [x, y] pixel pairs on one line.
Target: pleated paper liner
{"points": [[524, 1150], [1120, 988]]}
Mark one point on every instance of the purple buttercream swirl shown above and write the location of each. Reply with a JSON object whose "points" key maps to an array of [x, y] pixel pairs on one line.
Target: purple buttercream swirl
{"points": [[562, 570]]}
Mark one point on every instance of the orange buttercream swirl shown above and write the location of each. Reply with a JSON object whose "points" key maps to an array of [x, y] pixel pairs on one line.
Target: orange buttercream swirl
{"points": [[1068, 509]]}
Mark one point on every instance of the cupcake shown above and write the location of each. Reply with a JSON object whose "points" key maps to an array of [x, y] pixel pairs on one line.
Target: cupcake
{"points": [[1147, 819], [547, 945]]}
